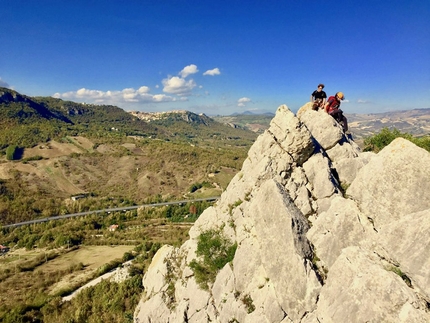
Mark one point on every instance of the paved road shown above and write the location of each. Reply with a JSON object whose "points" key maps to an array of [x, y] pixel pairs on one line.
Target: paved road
{"points": [[124, 208]]}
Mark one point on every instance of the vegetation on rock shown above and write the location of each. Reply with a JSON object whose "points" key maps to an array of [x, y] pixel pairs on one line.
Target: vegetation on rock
{"points": [[215, 251]]}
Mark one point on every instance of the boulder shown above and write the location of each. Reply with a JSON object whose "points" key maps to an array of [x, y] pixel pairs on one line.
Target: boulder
{"points": [[395, 182]]}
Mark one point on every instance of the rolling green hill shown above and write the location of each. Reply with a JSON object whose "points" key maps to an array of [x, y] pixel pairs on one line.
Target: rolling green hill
{"points": [[26, 121]]}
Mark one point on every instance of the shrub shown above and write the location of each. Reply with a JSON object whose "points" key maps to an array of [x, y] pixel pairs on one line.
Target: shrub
{"points": [[196, 186], [37, 157], [402, 275], [215, 251], [247, 301], [423, 142], [386, 136], [108, 267], [127, 256], [11, 152]]}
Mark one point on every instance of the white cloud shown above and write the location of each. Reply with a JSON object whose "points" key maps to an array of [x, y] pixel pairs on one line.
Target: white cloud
{"points": [[187, 70], [143, 89], [172, 85], [242, 101], [362, 101], [162, 98], [178, 85], [212, 72], [128, 95], [4, 84]]}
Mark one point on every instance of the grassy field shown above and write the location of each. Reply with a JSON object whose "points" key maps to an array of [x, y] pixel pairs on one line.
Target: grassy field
{"points": [[91, 257], [29, 273]]}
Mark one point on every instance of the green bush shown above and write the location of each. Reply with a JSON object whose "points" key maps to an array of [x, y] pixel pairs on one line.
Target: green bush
{"points": [[108, 267], [127, 256], [247, 301], [11, 152], [215, 251], [196, 186], [376, 142], [423, 142], [37, 157]]}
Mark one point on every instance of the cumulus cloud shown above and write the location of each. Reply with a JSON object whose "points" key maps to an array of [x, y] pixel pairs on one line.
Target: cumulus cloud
{"points": [[128, 95], [212, 72], [3, 83], [178, 85], [175, 88], [188, 70], [242, 101]]}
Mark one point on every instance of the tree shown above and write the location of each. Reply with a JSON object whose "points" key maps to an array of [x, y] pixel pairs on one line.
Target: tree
{"points": [[11, 152]]}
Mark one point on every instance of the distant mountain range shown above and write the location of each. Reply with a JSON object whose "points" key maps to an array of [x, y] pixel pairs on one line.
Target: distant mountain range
{"points": [[256, 112], [416, 122]]}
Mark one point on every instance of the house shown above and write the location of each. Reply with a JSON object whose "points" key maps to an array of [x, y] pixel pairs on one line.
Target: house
{"points": [[113, 227], [78, 197], [3, 249]]}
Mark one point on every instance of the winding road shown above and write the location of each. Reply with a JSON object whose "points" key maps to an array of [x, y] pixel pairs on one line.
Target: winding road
{"points": [[123, 208]]}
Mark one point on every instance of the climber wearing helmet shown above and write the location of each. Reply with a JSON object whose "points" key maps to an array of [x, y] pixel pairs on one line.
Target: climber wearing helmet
{"points": [[318, 97], [332, 108]]}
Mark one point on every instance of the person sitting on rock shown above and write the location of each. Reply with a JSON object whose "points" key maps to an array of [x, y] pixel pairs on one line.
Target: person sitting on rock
{"points": [[332, 108], [318, 97]]}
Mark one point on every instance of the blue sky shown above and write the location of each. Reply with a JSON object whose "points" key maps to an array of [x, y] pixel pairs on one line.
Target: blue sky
{"points": [[218, 57]]}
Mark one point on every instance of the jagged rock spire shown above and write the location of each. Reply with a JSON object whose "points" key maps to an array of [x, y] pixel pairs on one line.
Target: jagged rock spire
{"points": [[322, 235]]}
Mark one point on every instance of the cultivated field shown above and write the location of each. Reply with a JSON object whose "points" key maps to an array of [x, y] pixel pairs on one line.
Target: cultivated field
{"points": [[19, 280]]}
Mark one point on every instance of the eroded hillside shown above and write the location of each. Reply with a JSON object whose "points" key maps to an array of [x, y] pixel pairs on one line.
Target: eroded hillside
{"points": [[135, 170]]}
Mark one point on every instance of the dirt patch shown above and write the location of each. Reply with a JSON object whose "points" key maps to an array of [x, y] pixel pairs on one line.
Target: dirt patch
{"points": [[56, 149], [50, 150], [129, 146], [105, 149], [43, 171], [84, 143], [92, 257], [18, 256]]}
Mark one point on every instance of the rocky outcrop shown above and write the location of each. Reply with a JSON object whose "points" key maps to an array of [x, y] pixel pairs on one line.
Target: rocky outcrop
{"points": [[324, 233]]}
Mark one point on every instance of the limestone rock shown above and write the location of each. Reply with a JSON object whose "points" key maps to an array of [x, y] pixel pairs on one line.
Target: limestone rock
{"points": [[293, 138], [306, 250], [322, 126], [359, 288], [393, 183], [342, 225], [407, 241]]}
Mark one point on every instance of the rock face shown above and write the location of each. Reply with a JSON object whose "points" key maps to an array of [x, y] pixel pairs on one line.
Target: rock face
{"points": [[324, 233]]}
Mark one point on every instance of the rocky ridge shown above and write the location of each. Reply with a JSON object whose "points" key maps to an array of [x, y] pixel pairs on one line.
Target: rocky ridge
{"points": [[324, 233]]}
